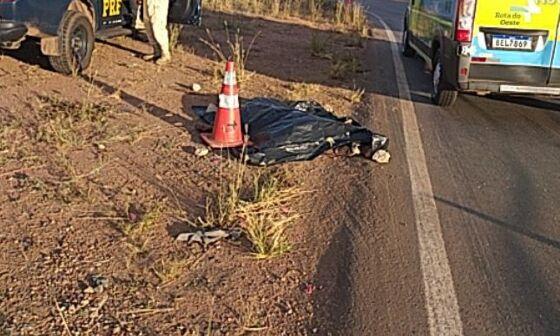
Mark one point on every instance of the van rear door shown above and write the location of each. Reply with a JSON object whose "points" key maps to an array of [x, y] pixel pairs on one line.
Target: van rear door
{"points": [[514, 41], [555, 68]]}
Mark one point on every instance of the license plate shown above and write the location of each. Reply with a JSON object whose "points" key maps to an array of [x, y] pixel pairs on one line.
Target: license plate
{"points": [[511, 42]]}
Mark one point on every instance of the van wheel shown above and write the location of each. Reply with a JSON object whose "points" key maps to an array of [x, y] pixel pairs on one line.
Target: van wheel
{"points": [[442, 93], [76, 39], [407, 50]]}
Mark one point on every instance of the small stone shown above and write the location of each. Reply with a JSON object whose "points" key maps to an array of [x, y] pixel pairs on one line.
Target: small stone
{"points": [[196, 87], [201, 151], [100, 146]]}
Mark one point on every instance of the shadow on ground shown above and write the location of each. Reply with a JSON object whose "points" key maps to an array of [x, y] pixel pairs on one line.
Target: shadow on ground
{"points": [[30, 53]]}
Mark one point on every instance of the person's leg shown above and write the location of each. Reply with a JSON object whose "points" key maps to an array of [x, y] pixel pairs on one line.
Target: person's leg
{"points": [[159, 26], [139, 23], [148, 11], [136, 11]]}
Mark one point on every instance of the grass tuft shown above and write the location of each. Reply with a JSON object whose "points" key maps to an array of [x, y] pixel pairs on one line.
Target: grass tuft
{"points": [[139, 224], [259, 205], [234, 49], [343, 66], [71, 124], [320, 47], [268, 215], [170, 269], [357, 95], [301, 91]]}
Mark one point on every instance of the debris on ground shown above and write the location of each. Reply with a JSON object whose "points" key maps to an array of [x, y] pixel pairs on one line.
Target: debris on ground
{"points": [[96, 284], [196, 87], [309, 288], [206, 238], [296, 131], [201, 151], [381, 156]]}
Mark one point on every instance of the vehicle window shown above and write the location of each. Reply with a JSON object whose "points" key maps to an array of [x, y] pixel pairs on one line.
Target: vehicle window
{"points": [[442, 8]]}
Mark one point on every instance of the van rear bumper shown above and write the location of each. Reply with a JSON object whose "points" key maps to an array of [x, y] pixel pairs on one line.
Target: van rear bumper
{"points": [[12, 31], [514, 74], [511, 88], [509, 80]]}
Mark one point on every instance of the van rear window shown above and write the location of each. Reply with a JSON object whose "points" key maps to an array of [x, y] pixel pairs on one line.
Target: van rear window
{"points": [[441, 8]]}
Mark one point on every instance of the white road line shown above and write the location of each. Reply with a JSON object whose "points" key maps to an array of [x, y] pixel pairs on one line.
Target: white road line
{"points": [[441, 300]]}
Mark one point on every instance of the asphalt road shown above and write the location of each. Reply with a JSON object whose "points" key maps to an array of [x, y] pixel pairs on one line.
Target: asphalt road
{"points": [[494, 172]]}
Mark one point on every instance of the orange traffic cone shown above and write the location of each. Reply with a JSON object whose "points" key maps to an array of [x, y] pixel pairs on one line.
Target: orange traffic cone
{"points": [[227, 124]]}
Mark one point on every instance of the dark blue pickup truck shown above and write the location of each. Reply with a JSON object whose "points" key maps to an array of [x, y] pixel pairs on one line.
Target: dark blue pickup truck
{"points": [[67, 29]]}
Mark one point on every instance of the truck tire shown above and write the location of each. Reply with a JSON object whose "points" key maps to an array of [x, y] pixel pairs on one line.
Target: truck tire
{"points": [[442, 93], [407, 50], [76, 39]]}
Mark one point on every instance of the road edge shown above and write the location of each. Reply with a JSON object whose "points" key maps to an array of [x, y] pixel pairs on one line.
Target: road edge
{"points": [[441, 300]]}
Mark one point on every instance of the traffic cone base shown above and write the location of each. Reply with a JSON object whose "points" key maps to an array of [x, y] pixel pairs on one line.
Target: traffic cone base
{"points": [[209, 139]]}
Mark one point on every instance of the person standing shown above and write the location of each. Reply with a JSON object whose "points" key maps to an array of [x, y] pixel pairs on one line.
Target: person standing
{"points": [[155, 20]]}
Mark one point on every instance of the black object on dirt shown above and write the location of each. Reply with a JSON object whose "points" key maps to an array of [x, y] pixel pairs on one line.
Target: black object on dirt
{"points": [[296, 131]]}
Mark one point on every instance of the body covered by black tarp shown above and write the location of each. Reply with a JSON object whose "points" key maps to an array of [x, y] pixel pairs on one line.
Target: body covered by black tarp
{"points": [[296, 131]]}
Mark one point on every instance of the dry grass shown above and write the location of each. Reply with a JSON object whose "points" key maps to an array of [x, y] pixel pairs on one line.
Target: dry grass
{"points": [[170, 269], [250, 318], [343, 66], [320, 47], [71, 124], [357, 95], [10, 138], [267, 216], [234, 49], [138, 224], [351, 15], [136, 227], [302, 91], [259, 204], [346, 15], [222, 209]]}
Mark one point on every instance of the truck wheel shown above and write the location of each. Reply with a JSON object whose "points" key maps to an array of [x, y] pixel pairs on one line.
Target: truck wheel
{"points": [[76, 40], [442, 93], [406, 48]]}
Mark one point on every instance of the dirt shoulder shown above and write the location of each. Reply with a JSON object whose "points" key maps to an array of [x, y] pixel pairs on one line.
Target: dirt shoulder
{"points": [[98, 177]]}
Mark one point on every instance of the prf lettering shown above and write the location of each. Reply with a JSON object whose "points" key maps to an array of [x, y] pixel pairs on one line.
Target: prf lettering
{"points": [[111, 7]]}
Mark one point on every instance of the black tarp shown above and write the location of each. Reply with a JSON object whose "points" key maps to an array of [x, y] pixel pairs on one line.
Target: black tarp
{"points": [[296, 131]]}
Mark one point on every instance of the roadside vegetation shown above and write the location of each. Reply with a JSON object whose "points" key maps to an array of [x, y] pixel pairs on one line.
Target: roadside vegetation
{"points": [[261, 204], [349, 15], [234, 48]]}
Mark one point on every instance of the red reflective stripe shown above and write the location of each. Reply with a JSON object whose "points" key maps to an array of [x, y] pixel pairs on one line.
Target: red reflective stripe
{"points": [[479, 59], [230, 89]]}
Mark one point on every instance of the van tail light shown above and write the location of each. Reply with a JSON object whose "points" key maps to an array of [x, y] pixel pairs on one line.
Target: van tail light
{"points": [[465, 20]]}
